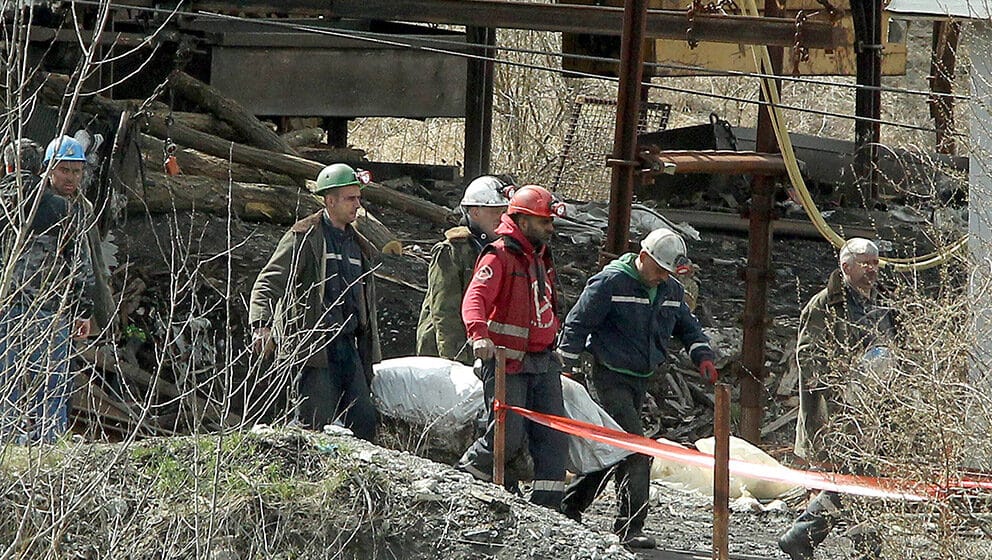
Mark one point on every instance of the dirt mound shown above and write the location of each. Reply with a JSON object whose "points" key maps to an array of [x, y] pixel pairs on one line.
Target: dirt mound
{"points": [[271, 494]]}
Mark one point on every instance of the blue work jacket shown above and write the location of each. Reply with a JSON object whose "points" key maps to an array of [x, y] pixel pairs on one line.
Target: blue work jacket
{"points": [[626, 326]]}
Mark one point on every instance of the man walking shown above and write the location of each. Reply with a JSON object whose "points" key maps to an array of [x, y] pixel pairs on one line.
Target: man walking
{"points": [[838, 327], [316, 299], [512, 302], [440, 331], [624, 317]]}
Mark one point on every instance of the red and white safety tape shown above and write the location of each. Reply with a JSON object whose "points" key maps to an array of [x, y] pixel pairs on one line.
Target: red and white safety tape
{"points": [[876, 487]]}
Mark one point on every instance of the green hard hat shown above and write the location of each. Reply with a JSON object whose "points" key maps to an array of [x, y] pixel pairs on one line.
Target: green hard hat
{"points": [[334, 176]]}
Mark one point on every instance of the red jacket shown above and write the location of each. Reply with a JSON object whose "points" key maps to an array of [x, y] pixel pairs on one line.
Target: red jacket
{"points": [[512, 298]]}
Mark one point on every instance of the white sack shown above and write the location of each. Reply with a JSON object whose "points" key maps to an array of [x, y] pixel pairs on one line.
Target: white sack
{"points": [[446, 397], [586, 456], [701, 479], [441, 394]]}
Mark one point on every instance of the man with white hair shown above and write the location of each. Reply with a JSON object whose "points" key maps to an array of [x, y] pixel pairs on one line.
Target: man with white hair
{"points": [[838, 326]]}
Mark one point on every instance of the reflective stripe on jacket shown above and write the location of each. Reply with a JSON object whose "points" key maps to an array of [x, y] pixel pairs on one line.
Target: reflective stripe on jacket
{"points": [[512, 298], [625, 330]]}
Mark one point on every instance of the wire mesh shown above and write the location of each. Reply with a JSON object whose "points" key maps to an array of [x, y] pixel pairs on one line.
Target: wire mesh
{"points": [[582, 173]]}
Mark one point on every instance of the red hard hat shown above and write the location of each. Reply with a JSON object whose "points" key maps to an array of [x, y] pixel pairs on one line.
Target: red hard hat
{"points": [[535, 201]]}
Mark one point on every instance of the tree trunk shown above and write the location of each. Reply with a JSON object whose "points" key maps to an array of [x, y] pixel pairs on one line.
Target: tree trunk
{"points": [[305, 137], [229, 111], [193, 162], [55, 86], [380, 236], [206, 123], [165, 194], [281, 205]]}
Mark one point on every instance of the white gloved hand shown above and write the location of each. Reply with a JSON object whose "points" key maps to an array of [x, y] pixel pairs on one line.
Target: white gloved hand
{"points": [[483, 348]]}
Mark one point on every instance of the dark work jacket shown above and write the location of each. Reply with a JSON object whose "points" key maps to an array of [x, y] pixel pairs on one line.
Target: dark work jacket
{"points": [[626, 330], [288, 296]]}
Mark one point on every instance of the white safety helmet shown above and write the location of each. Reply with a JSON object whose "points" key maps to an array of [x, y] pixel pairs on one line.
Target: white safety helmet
{"points": [[485, 191], [666, 248]]}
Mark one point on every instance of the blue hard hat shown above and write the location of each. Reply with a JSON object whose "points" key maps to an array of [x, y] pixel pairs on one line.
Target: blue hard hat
{"points": [[64, 149]]}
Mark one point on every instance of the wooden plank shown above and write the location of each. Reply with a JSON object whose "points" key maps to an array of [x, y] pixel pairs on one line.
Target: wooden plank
{"points": [[598, 20], [785, 419]]}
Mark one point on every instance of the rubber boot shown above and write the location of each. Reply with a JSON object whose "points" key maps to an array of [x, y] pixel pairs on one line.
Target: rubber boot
{"points": [[631, 533], [812, 527]]}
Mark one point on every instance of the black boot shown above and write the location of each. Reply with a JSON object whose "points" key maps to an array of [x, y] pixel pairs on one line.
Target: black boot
{"points": [[812, 527], [637, 539], [631, 533]]}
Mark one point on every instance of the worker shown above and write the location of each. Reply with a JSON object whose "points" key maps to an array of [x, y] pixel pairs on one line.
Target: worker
{"points": [[315, 301], [512, 302], [440, 331], [66, 179], [48, 302], [624, 317], [839, 325]]}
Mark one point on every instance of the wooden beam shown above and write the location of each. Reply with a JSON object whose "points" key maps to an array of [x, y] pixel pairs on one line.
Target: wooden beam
{"points": [[597, 20], [715, 161]]}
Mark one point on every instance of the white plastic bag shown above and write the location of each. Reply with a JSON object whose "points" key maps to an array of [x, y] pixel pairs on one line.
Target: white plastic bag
{"points": [[701, 479], [440, 394], [586, 456]]}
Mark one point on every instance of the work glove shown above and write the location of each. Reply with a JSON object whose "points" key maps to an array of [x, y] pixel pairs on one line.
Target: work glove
{"points": [[708, 371], [483, 348]]}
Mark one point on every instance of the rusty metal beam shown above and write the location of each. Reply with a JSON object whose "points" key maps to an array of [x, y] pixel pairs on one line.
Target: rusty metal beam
{"points": [[759, 258], [867, 18], [479, 101], [721, 472], [723, 162], [624, 162], [943, 56], [598, 20], [721, 221]]}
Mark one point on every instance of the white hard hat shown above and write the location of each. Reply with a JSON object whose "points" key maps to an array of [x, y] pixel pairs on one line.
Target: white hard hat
{"points": [[485, 191], [666, 248]]}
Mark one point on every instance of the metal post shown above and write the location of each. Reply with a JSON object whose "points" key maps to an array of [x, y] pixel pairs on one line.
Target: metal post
{"points": [[867, 17], [753, 372], [337, 132], [499, 429], [942, 61], [721, 473], [479, 101], [624, 161]]}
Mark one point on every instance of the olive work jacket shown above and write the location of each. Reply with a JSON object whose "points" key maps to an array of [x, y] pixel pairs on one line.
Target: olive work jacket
{"points": [[440, 330], [288, 296], [833, 337]]}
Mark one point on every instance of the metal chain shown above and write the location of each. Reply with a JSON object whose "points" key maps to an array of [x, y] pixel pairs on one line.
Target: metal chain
{"points": [[690, 15], [833, 12], [697, 7], [800, 52]]}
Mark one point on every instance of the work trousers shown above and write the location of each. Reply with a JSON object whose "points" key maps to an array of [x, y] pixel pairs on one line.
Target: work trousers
{"points": [[621, 397], [339, 393], [37, 384], [539, 391]]}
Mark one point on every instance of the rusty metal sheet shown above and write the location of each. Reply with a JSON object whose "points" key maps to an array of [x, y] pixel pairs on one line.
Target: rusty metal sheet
{"points": [[341, 83], [281, 71]]}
